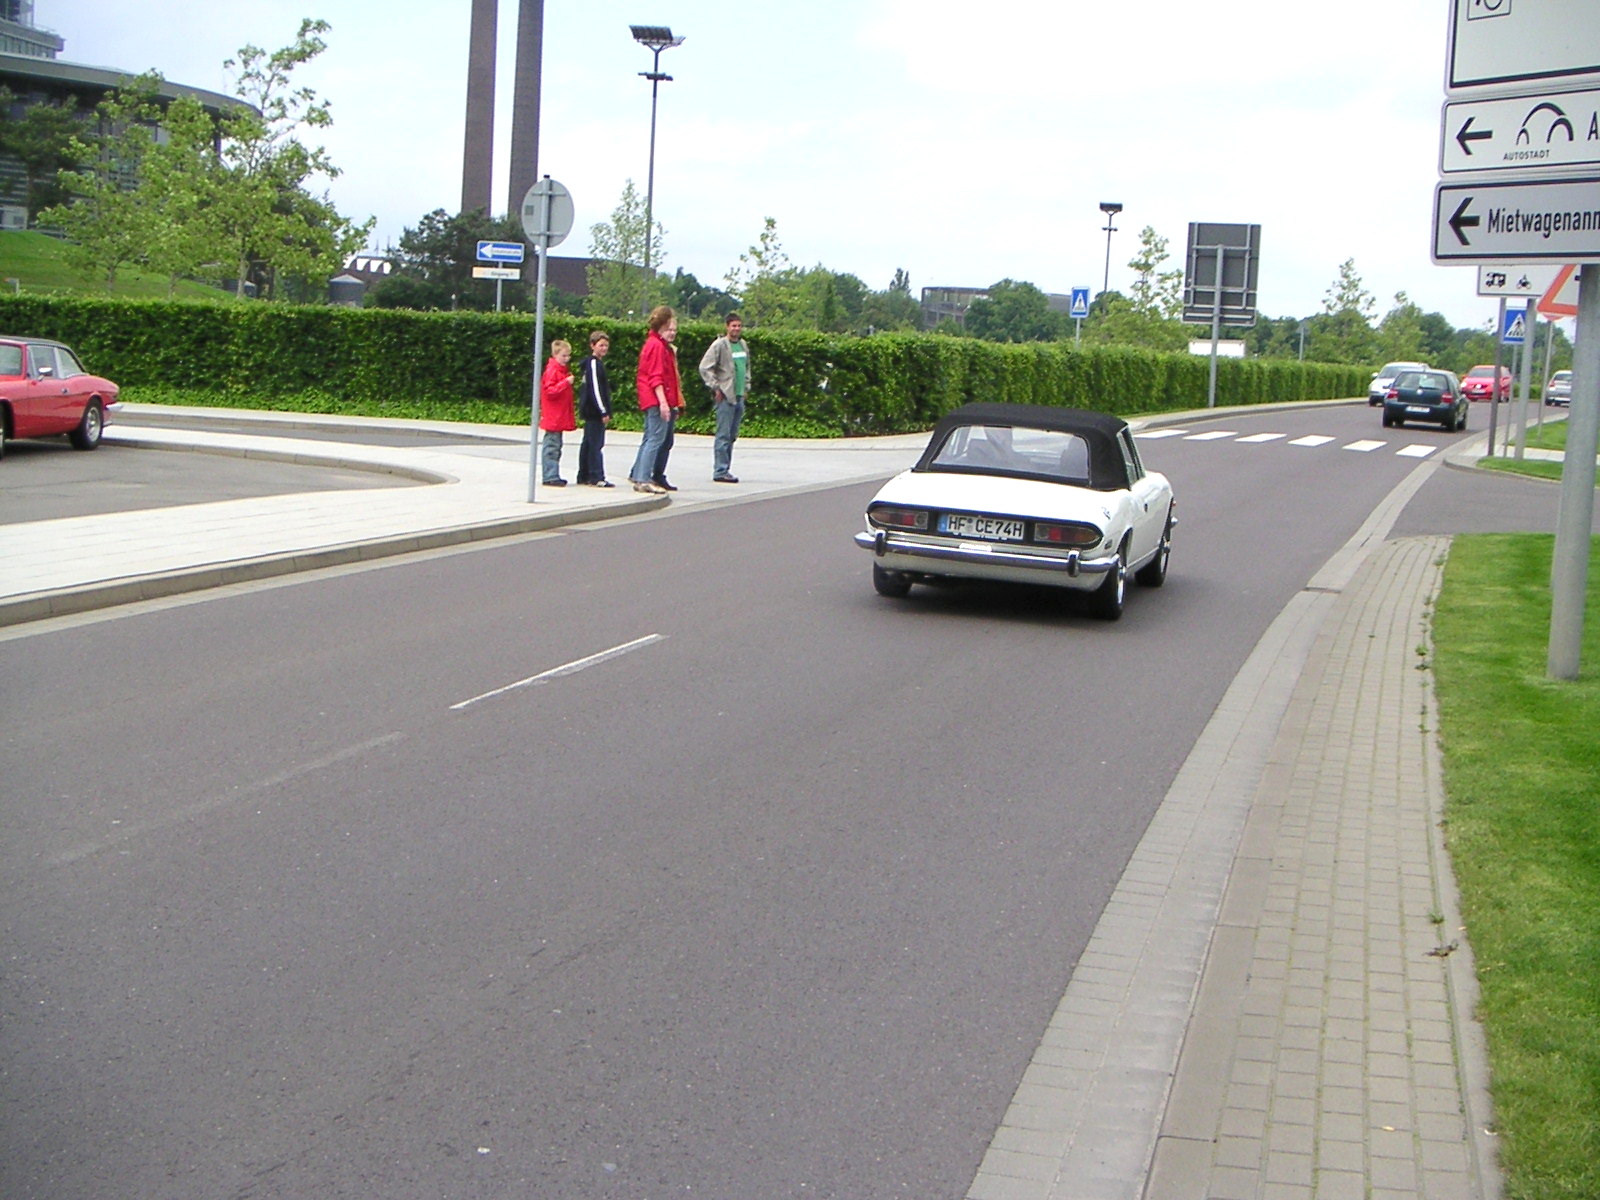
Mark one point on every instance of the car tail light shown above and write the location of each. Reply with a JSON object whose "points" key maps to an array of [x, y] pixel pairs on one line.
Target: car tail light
{"points": [[1074, 535], [1392, 394], [889, 516]]}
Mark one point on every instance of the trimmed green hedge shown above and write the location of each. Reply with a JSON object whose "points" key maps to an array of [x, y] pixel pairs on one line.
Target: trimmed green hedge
{"points": [[258, 353]]}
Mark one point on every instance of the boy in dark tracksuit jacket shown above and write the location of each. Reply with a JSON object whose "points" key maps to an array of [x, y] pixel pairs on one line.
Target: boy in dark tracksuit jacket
{"points": [[594, 410]]}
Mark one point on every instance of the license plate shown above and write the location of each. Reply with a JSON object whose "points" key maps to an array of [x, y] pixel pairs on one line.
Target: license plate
{"points": [[989, 529], [1418, 408]]}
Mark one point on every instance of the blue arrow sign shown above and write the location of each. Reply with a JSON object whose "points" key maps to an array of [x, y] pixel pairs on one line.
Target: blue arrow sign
{"points": [[1080, 303], [500, 252]]}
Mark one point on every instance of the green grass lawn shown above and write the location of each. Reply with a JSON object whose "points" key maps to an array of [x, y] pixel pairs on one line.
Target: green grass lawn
{"points": [[38, 264], [1522, 775]]}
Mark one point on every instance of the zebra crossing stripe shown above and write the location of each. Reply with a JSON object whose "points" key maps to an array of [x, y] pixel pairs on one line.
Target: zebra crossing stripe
{"points": [[1315, 439], [1364, 447], [1417, 451], [1263, 437]]}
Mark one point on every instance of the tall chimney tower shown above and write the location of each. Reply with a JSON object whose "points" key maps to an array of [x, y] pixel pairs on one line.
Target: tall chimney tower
{"points": [[525, 103], [477, 154]]}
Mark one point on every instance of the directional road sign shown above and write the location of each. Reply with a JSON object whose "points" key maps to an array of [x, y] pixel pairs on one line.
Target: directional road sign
{"points": [[497, 272], [1554, 220], [1497, 42], [1533, 134], [1080, 303], [500, 252]]}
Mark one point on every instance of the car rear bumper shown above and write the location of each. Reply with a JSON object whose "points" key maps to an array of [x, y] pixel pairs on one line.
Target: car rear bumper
{"points": [[1419, 412], [971, 560]]}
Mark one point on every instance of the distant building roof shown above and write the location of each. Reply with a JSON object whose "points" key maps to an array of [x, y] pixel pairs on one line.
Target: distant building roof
{"points": [[24, 75]]}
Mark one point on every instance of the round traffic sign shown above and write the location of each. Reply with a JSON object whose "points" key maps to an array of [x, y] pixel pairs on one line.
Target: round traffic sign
{"points": [[547, 212]]}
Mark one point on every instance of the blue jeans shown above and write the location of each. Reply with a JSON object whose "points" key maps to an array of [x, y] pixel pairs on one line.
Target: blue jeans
{"points": [[550, 455], [656, 428], [729, 414]]}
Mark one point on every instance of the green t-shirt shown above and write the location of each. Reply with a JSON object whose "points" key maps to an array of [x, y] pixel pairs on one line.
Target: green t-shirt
{"points": [[740, 368]]}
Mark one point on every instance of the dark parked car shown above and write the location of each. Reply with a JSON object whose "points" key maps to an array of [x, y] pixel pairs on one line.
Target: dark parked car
{"points": [[45, 390], [1479, 384], [1426, 396]]}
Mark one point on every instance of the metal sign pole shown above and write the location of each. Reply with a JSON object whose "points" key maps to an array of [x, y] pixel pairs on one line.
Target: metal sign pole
{"points": [[1575, 522], [1216, 328], [1530, 341], [541, 248], [1494, 385]]}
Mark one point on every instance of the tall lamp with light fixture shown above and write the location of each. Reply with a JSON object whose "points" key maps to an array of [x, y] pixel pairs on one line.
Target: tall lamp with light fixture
{"points": [[654, 38], [1111, 210]]}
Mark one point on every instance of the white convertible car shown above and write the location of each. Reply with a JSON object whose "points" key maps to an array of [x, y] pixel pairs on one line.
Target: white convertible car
{"points": [[1024, 494]]}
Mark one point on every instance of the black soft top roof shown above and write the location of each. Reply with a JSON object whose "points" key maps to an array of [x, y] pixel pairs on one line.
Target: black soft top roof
{"points": [[1107, 468]]}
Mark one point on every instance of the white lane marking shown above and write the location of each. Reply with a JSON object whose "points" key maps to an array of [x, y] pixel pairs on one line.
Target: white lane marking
{"points": [[1364, 447], [1263, 437], [1212, 436], [190, 811], [570, 668], [1417, 451], [1152, 434], [1315, 439]]}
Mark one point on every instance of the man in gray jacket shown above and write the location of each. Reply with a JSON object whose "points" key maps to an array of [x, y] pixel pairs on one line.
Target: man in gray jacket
{"points": [[726, 371]]}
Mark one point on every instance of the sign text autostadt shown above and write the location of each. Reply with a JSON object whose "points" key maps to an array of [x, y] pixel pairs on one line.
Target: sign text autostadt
{"points": [[1556, 219]]}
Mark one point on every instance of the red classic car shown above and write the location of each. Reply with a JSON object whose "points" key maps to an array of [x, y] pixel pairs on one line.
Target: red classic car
{"points": [[45, 390], [1478, 383]]}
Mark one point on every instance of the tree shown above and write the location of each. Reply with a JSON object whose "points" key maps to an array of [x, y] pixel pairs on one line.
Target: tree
{"points": [[617, 284], [107, 221], [1400, 334], [434, 261], [771, 291], [894, 308], [43, 140], [693, 299], [1013, 312], [1343, 332], [1156, 293], [262, 210]]}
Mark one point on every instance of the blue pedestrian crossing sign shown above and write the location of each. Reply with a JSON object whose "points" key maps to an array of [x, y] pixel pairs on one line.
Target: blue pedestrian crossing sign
{"points": [[1080, 303], [1516, 328]]}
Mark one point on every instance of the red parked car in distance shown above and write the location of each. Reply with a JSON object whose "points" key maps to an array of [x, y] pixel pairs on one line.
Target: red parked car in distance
{"points": [[45, 390], [1479, 382]]}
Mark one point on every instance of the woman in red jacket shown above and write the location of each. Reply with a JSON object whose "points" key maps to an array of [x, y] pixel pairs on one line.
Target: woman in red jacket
{"points": [[660, 398], [555, 410]]}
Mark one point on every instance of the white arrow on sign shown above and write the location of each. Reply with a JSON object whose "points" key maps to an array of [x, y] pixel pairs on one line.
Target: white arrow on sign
{"points": [[1531, 133], [1554, 220], [501, 252]]}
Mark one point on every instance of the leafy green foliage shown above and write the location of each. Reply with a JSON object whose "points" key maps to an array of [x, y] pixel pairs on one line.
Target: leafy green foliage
{"points": [[808, 381], [434, 262]]}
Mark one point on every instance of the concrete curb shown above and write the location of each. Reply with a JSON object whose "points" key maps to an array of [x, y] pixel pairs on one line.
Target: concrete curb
{"points": [[37, 606]]}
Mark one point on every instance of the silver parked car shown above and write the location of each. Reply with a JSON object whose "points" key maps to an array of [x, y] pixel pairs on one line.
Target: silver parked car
{"points": [[1559, 389], [1383, 379]]}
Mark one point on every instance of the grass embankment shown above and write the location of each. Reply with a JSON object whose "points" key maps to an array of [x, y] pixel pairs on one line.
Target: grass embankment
{"points": [[38, 263], [1522, 773], [1551, 435]]}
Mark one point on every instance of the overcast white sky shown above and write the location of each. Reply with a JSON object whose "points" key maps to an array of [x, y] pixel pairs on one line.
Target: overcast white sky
{"points": [[964, 142]]}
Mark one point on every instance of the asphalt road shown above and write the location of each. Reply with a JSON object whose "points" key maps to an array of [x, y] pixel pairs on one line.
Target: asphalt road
{"points": [[45, 478], [774, 900]]}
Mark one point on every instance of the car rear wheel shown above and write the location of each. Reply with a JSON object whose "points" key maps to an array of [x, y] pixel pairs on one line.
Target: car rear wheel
{"points": [[890, 583], [1154, 573], [1106, 600], [87, 435]]}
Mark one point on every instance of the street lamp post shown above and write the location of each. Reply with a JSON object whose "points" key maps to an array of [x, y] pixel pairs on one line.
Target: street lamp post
{"points": [[654, 38], [1111, 210]]}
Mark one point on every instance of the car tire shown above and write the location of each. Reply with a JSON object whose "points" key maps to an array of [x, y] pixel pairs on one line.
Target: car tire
{"points": [[892, 584], [1106, 600], [93, 423], [1388, 421], [1154, 573]]}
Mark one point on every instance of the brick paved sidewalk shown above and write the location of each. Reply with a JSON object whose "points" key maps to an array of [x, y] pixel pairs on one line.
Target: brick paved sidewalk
{"points": [[1333, 1052]]}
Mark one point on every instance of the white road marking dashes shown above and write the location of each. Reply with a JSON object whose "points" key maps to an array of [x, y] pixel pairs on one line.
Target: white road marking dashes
{"points": [[1360, 446]]}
